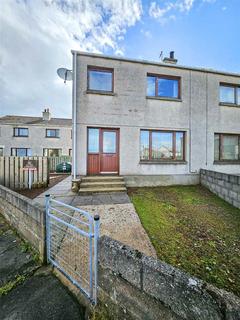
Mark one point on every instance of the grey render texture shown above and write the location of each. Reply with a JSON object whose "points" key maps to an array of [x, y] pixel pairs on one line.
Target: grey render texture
{"points": [[36, 140], [198, 113]]}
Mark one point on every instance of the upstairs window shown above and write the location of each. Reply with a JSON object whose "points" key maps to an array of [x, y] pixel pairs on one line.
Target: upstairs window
{"points": [[100, 79], [52, 133], [226, 147], [230, 94], [20, 132], [162, 145], [163, 86]]}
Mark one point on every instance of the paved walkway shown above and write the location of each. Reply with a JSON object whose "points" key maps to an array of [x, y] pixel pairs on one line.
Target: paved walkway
{"points": [[118, 217], [38, 294]]}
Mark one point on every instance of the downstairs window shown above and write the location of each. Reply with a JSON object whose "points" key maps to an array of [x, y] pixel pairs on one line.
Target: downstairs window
{"points": [[226, 147], [162, 145]]}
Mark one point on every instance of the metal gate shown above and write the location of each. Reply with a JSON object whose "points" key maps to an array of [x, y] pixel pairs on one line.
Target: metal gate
{"points": [[72, 244]]}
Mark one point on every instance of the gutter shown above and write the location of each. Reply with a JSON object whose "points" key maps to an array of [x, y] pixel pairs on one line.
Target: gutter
{"points": [[74, 116]]}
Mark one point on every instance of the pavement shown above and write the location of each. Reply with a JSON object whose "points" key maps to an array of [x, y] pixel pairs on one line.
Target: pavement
{"points": [[118, 217], [37, 294]]}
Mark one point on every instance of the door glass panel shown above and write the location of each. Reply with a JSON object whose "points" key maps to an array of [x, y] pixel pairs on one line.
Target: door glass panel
{"points": [[93, 140], [109, 142]]}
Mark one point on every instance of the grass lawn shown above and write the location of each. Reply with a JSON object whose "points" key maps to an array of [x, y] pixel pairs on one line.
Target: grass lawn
{"points": [[194, 230]]}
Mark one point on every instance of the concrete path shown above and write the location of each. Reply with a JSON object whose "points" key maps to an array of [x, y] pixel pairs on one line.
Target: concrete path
{"points": [[118, 217], [38, 294]]}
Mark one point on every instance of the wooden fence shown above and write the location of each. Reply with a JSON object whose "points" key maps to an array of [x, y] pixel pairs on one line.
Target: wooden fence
{"points": [[54, 161], [13, 176]]}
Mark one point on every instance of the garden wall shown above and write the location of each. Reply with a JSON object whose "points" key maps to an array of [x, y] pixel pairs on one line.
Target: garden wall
{"points": [[135, 286], [26, 217], [226, 186], [131, 285]]}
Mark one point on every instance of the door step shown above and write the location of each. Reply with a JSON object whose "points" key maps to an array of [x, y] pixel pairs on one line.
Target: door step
{"points": [[105, 183], [101, 179], [101, 184], [102, 190]]}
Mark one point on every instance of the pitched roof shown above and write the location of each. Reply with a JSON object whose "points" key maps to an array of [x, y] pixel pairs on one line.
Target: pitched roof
{"points": [[24, 120], [155, 63]]}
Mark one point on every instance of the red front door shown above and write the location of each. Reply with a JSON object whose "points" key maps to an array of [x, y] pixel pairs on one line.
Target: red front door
{"points": [[103, 151]]}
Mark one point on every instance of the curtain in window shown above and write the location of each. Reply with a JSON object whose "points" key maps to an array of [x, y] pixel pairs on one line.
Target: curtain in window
{"points": [[230, 148]]}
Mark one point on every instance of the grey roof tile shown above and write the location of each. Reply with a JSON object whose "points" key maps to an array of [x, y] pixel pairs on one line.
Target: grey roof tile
{"points": [[24, 120]]}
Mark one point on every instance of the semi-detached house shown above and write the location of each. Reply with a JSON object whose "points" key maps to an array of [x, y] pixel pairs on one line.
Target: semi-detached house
{"points": [[153, 123], [35, 136]]}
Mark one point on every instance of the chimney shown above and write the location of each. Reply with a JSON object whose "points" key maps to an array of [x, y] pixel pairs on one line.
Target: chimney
{"points": [[171, 59], [46, 115]]}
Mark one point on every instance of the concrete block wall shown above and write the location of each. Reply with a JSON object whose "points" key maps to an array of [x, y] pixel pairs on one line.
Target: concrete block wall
{"points": [[25, 216], [135, 286], [226, 186]]}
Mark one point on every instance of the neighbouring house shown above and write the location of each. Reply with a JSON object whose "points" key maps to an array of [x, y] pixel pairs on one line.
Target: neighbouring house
{"points": [[153, 123], [35, 136]]}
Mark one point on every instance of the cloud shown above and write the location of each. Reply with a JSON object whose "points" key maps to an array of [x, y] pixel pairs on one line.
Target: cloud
{"points": [[169, 9], [146, 33], [36, 39]]}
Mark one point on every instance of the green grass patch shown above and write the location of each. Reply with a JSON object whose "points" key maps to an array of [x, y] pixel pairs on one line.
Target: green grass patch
{"points": [[26, 247], [194, 230], [11, 285]]}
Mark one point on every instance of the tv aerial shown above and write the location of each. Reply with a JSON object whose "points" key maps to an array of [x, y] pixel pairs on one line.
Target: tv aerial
{"points": [[65, 74]]}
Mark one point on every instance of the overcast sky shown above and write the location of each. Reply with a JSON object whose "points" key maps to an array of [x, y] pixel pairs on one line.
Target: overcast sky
{"points": [[36, 37]]}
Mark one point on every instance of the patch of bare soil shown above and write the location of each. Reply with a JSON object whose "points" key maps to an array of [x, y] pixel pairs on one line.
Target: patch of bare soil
{"points": [[33, 193]]}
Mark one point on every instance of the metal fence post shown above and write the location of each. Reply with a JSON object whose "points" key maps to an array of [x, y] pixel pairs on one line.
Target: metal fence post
{"points": [[47, 206], [96, 236]]}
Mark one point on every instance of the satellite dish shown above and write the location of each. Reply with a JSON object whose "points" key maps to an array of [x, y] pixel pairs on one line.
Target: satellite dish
{"points": [[64, 74]]}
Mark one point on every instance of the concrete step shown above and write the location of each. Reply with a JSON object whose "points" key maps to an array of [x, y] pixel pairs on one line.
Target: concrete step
{"points": [[101, 178], [101, 190], [102, 184]]}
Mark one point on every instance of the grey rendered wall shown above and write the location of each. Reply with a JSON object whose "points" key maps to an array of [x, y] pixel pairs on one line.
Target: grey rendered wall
{"points": [[36, 139], [134, 286], [198, 113]]}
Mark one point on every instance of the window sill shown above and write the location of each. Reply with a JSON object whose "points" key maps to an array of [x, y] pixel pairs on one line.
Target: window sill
{"points": [[105, 93], [164, 98], [20, 136], [225, 104], [52, 137], [174, 162], [227, 162]]}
